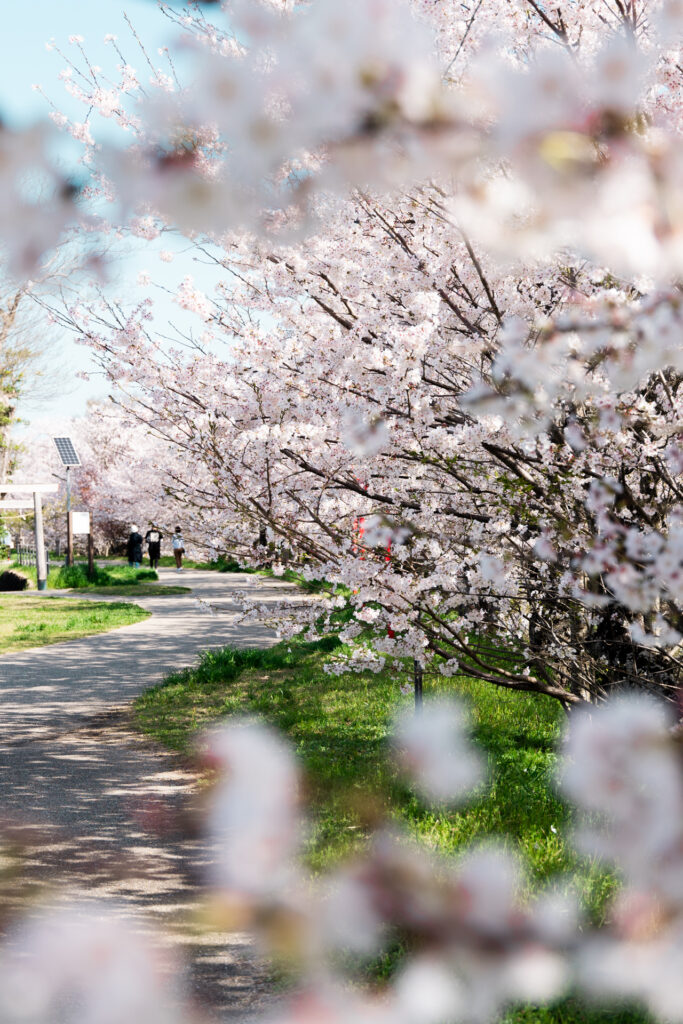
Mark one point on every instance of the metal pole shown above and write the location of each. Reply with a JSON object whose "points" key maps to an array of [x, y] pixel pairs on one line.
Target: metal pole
{"points": [[69, 525], [41, 562]]}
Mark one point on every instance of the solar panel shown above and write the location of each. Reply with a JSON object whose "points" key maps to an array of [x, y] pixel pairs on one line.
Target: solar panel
{"points": [[67, 452]]}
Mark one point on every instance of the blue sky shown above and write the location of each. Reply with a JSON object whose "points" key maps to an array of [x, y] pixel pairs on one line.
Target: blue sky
{"points": [[27, 28], [25, 61]]}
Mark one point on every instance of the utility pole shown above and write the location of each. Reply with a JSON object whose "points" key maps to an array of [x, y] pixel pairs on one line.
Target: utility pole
{"points": [[41, 561]]}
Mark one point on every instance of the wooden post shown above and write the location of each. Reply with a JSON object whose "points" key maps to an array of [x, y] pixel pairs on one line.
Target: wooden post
{"points": [[41, 561], [69, 539], [417, 679], [91, 549]]}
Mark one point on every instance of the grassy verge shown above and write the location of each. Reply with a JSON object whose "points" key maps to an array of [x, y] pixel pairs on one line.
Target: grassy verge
{"points": [[224, 564], [339, 727], [116, 580], [295, 576], [28, 621]]}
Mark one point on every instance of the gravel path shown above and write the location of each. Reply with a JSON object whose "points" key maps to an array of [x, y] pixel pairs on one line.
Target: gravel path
{"points": [[95, 803]]}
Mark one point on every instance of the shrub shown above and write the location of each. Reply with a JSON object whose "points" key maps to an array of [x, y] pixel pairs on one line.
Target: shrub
{"points": [[110, 576], [147, 574], [71, 576], [12, 581], [114, 575]]}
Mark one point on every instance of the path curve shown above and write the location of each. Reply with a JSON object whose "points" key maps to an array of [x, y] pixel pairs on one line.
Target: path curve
{"points": [[94, 800]]}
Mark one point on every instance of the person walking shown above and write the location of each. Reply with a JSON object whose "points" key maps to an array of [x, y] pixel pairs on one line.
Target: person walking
{"points": [[153, 539], [134, 548], [178, 548]]}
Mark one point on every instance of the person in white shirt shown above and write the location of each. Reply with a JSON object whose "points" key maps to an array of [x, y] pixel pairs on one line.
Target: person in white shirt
{"points": [[178, 548], [153, 539]]}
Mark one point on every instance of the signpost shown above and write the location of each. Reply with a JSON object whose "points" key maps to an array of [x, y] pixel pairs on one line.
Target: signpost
{"points": [[91, 552], [37, 490], [81, 522]]}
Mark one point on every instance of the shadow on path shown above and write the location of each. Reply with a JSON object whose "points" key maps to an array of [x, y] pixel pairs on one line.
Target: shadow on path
{"points": [[97, 805]]}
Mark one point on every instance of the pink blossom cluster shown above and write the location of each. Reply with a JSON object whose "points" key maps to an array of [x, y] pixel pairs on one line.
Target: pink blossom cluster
{"points": [[536, 114]]}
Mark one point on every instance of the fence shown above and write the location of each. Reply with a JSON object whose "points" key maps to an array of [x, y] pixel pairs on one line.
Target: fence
{"points": [[26, 555]]}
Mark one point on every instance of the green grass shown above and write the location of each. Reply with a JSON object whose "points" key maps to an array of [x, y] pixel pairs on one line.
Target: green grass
{"points": [[166, 562], [294, 576], [137, 590], [30, 621], [339, 726], [117, 580], [216, 565]]}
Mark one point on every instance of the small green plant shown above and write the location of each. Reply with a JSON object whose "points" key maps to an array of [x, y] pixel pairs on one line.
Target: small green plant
{"points": [[69, 576]]}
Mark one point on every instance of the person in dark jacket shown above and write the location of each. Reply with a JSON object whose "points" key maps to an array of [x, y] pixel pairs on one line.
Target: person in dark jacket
{"points": [[134, 548], [153, 539], [178, 545]]}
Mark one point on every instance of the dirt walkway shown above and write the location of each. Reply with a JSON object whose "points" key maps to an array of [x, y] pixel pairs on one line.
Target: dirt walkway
{"points": [[93, 798]]}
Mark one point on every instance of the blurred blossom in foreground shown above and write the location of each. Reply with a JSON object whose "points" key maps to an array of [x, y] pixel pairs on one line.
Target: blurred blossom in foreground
{"points": [[434, 749], [474, 940], [622, 764], [253, 809], [85, 964]]}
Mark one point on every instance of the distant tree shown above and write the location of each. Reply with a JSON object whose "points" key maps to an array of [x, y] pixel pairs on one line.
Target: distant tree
{"points": [[27, 341]]}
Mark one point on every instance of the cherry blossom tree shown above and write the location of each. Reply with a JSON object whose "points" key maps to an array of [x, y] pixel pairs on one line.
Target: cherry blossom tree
{"points": [[444, 368], [560, 533], [508, 429], [29, 370]]}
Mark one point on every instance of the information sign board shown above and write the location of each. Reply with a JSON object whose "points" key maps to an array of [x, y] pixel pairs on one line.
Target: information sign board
{"points": [[80, 522]]}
